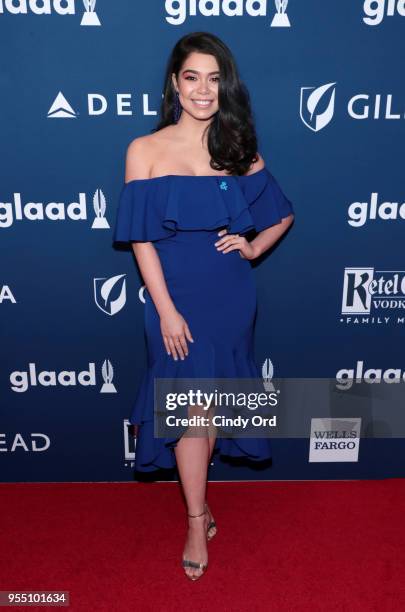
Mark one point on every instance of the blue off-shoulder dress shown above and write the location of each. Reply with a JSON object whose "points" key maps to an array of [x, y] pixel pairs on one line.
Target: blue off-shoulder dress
{"points": [[215, 292]]}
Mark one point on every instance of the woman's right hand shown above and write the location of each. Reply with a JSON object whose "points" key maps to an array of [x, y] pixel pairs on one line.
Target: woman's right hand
{"points": [[175, 331]]}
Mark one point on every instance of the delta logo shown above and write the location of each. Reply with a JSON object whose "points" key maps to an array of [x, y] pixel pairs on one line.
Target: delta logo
{"points": [[49, 7], [97, 104]]}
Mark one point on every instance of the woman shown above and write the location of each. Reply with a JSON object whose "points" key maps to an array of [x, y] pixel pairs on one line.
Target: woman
{"points": [[194, 189]]}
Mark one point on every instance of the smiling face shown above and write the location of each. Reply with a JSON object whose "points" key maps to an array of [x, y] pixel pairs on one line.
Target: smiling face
{"points": [[197, 85]]}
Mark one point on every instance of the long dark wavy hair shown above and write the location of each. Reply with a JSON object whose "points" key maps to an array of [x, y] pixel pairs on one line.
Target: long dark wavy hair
{"points": [[231, 138]]}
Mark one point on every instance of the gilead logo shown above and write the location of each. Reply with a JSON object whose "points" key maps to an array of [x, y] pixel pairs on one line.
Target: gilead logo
{"points": [[37, 443], [317, 105], [6, 295]]}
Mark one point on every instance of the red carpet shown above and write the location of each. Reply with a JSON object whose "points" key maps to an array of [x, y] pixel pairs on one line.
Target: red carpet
{"points": [[281, 546]]}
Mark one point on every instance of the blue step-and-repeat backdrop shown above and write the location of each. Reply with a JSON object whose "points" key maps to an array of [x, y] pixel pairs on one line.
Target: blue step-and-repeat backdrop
{"points": [[80, 80]]}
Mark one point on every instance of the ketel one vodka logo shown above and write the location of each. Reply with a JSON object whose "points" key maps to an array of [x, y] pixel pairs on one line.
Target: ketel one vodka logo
{"points": [[317, 105], [110, 293], [267, 374], [367, 291]]}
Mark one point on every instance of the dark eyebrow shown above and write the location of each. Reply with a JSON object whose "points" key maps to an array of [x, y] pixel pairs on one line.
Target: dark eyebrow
{"points": [[197, 72]]}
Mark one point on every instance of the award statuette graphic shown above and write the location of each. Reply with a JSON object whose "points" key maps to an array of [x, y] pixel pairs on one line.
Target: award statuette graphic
{"points": [[268, 373], [107, 373], [90, 16], [280, 19], [100, 222]]}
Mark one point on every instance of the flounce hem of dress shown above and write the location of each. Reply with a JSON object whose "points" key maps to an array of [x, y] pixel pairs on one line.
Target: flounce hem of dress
{"points": [[209, 361]]}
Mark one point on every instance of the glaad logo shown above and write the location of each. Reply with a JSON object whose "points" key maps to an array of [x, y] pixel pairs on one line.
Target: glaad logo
{"points": [[360, 212], [367, 291], [97, 104], [104, 289], [375, 10], [54, 211], [177, 11], [38, 443], [22, 380], [267, 374], [334, 439], [347, 377], [46, 7], [6, 295], [312, 102]]}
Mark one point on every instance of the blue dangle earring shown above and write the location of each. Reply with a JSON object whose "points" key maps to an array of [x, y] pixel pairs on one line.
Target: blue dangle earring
{"points": [[177, 108]]}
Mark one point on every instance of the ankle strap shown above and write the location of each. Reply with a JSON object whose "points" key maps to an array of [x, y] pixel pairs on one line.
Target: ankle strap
{"points": [[196, 515]]}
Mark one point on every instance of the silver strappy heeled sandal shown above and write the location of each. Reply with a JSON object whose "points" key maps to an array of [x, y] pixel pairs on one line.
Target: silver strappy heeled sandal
{"points": [[211, 525], [195, 564]]}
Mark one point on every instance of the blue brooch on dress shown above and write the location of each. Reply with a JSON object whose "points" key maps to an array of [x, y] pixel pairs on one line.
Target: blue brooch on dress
{"points": [[223, 185]]}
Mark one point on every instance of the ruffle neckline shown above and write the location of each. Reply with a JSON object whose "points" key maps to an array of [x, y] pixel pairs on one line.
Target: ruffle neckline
{"points": [[156, 208]]}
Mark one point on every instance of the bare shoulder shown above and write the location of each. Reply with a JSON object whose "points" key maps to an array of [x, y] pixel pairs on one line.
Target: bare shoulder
{"points": [[143, 151], [139, 157], [258, 165]]}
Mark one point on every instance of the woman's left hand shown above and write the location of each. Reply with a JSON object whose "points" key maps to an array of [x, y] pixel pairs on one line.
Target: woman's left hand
{"points": [[231, 242]]}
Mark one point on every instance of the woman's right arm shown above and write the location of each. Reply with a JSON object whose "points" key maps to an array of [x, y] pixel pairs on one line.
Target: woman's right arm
{"points": [[174, 328]]}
